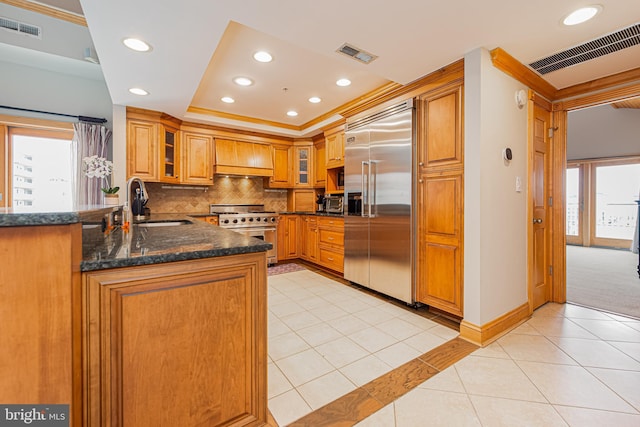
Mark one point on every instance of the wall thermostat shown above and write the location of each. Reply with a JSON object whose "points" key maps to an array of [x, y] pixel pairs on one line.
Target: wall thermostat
{"points": [[507, 154]]}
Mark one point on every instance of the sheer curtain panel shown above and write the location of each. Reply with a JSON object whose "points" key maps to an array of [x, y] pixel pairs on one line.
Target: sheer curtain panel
{"points": [[90, 139]]}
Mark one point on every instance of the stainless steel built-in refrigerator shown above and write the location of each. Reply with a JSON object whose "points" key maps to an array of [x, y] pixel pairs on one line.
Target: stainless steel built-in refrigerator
{"points": [[378, 185]]}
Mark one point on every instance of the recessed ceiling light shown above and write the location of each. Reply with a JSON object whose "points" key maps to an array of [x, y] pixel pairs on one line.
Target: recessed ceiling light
{"points": [[228, 99], [343, 82], [262, 56], [292, 113], [314, 100], [138, 91], [243, 81], [582, 15], [136, 44]]}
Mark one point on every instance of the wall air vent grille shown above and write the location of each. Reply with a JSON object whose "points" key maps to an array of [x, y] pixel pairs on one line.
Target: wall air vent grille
{"points": [[355, 53], [622, 39], [20, 27]]}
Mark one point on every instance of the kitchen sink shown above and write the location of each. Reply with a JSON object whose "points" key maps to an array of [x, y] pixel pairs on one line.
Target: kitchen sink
{"points": [[163, 223]]}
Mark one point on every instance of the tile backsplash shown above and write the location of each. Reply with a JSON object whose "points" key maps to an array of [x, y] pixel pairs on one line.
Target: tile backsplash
{"points": [[236, 190]]}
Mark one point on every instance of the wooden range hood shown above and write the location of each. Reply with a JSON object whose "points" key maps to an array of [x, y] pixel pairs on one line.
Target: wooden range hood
{"points": [[242, 158]]}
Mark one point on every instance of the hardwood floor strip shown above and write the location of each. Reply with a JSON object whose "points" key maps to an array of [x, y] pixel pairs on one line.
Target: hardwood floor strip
{"points": [[343, 412], [398, 382], [448, 353]]}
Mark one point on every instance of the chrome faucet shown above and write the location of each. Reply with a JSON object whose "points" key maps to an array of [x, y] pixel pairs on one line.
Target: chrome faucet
{"points": [[127, 211]]}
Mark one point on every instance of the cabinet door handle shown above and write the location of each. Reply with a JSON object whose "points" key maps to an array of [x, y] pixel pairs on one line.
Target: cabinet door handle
{"points": [[420, 181], [421, 164], [330, 238], [330, 259]]}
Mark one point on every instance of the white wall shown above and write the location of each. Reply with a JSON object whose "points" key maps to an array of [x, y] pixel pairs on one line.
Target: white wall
{"points": [[495, 235], [38, 89], [603, 131]]}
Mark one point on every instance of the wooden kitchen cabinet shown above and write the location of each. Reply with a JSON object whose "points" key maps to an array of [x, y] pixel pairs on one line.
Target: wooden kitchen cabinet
{"points": [[287, 235], [242, 158], [440, 208], [309, 238], [153, 146], [197, 158], [440, 128], [169, 151], [142, 150], [282, 167], [320, 164], [301, 201], [335, 149], [331, 243], [40, 313], [180, 344], [303, 166], [211, 219]]}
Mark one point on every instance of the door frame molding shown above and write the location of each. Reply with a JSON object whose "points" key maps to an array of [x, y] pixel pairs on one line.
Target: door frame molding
{"points": [[605, 90], [549, 182], [561, 108]]}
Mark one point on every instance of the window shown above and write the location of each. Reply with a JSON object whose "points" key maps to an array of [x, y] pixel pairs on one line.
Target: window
{"points": [[616, 189], [42, 172], [36, 163], [600, 201]]}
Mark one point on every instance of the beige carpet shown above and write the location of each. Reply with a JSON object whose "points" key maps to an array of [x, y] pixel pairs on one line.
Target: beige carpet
{"points": [[605, 279]]}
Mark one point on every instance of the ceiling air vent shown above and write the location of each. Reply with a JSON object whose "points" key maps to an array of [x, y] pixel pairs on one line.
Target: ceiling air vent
{"points": [[20, 27], [613, 42], [355, 53]]}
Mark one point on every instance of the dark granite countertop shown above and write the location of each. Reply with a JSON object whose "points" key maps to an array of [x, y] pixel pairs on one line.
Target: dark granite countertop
{"points": [[143, 245], [17, 217], [336, 215]]}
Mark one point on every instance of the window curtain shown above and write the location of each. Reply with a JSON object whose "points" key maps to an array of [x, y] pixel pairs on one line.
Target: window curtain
{"points": [[89, 139]]}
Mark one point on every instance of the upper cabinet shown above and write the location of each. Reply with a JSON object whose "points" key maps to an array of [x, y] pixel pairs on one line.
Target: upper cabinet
{"points": [[320, 166], [153, 146], [197, 158], [441, 132], [334, 140], [142, 148], [169, 154], [282, 167], [242, 158], [303, 166]]}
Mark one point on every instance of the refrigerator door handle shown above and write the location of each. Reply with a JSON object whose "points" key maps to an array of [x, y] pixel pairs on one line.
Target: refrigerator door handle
{"points": [[373, 203], [364, 190]]}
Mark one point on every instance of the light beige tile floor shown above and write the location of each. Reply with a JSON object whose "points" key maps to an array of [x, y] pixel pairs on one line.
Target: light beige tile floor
{"points": [[327, 339], [566, 366]]}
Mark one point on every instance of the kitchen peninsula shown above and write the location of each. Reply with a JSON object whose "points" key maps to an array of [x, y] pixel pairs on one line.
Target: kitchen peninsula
{"points": [[162, 324]]}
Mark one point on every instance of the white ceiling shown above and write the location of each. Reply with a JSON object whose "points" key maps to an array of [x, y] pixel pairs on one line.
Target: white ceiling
{"points": [[199, 45]]}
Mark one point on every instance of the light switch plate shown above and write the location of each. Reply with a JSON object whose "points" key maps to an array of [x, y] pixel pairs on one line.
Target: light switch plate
{"points": [[518, 184]]}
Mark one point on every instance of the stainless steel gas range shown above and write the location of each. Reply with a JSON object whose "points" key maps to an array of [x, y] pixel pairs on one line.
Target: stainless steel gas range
{"points": [[251, 220]]}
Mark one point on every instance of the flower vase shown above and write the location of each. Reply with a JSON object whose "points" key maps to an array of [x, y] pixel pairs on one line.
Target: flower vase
{"points": [[111, 199]]}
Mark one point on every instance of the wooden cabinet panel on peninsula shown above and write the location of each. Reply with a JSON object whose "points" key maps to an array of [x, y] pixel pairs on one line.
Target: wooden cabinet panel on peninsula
{"points": [[40, 312], [180, 344]]}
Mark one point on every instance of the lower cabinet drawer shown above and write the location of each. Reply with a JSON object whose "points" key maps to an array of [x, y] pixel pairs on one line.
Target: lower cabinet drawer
{"points": [[331, 237], [331, 259]]}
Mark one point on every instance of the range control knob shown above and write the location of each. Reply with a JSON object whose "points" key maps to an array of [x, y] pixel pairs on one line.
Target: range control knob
{"points": [[225, 221], [250, 219], [235, 221], [243, 219], [264, 219], [273, 219]]}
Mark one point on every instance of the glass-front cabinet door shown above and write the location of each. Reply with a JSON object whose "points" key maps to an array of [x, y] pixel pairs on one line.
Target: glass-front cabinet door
{"points": [[303, 167], [169, 154]]}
